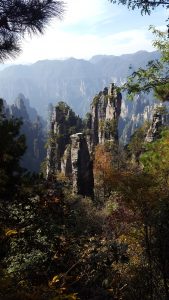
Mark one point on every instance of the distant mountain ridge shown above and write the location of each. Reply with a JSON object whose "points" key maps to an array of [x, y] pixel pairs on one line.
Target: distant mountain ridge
{"points": [[74, 81]]}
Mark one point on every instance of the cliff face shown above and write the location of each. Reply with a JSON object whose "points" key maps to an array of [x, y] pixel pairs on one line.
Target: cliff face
{"points": [[158, 121], [134, 114], [32, 128], [72, 141], [82, 171], [63, 124], [105, 112], [68, 150], [74, 80]]}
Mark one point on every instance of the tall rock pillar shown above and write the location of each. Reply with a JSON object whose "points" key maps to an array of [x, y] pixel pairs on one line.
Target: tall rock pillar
{"points": [[105, 112], [82, 169]]}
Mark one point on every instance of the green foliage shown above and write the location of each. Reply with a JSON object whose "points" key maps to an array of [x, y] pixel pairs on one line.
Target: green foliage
{"points": [[96, 100], [155, 77], [87, 123], [101, 125], [146, 7], [161, 43], [11, 150], [52, 241], [162, 110], [156, 157], [110, 127], [137, 144], [21, 17], [162, 92], [55, 245]]}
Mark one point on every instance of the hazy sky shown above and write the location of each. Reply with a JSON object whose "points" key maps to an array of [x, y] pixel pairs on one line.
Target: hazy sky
{"points": [[91, 27]]}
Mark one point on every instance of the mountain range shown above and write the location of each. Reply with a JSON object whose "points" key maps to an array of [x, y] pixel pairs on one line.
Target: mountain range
{"points": [[75, 81]]}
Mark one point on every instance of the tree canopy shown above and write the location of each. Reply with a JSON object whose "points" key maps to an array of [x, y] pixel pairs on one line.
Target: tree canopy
{"points": [[12, 148], [18, 17], [155, 77], [146, 6]]}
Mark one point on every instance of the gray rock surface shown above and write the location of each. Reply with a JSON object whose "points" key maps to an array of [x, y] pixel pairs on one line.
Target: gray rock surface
{"points": [[72, 154], [159, 120]]}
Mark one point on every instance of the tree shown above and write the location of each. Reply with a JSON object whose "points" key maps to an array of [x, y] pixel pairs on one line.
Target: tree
{"points": [[156, 158], [103, 170], [137, 143], [156, 76], [18, 17], [146, 6], [11, 150], [106, 175]]}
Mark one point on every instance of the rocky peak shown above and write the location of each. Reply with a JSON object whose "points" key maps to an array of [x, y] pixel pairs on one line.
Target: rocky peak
{"points": [[105, 111], [82, 171], [153, 131], [19, 109], [71, 145], [63, 124], [160, 118]]}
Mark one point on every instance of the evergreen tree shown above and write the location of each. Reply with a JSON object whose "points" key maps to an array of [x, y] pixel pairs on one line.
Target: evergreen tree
{"points": [[12, 147], [146, 6], [18, 17]]}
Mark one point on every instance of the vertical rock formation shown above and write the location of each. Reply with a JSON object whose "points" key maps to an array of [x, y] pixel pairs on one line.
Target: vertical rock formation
{"points": [[105, 111], [71, 145], [69, 153], [159, 120], [82, 170], [153, 132], [63, 124]]}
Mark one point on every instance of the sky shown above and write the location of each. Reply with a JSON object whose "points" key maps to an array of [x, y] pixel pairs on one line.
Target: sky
{"points": [[92, 27]]}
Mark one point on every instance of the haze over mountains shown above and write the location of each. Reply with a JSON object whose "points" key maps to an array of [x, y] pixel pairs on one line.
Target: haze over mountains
{"points": [[75, 81]]}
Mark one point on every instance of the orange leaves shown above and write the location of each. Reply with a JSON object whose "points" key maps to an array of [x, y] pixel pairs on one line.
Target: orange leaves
{"points": [[10, 232], [104, 174], [102, 161]]}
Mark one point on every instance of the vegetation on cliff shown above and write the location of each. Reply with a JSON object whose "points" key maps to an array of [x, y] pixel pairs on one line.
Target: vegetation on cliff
{"points": [[57, 245]]}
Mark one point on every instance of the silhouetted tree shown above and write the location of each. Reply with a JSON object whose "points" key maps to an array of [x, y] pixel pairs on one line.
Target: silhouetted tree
{"points": [[11, 150], [146, 6], [18, 17]]}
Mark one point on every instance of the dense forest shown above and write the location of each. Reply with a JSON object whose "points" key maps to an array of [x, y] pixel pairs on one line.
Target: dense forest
{"points": [[94, 222]]}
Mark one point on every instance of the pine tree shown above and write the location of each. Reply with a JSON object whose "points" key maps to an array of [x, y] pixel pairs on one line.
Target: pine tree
{"points": [[18, 17], [12, 147]]}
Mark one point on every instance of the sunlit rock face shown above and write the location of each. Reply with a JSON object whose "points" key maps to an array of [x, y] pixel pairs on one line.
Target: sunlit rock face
{"points": [[134, 114], [105, 112], [72, 142], [63, 123], [69, 153]]}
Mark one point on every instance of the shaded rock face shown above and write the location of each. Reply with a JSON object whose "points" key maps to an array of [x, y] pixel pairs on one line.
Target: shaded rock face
{"points": [[18, 109], [82, 170], [72, 154]]}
